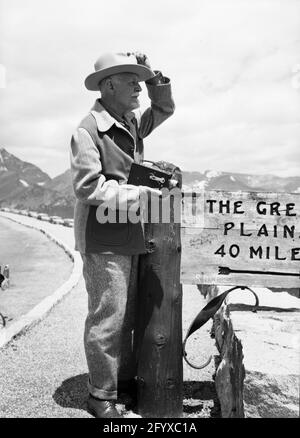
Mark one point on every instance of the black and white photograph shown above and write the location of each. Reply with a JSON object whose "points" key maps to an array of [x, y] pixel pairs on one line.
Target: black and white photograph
{"points": [[150, 211]]}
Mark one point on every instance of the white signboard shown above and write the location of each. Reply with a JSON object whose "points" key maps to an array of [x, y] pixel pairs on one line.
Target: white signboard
{"points": [[241, 238]]}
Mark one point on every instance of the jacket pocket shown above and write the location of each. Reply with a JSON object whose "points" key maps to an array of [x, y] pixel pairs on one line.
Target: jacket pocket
{"points": [[108, 233]]}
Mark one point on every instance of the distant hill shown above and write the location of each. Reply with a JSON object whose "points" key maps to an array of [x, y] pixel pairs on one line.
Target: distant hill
{"points": [[61, 183], [25, 186], [17, 175]]}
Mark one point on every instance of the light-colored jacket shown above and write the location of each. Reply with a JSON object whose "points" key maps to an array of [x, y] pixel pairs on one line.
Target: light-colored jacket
{"points": [[102, 151]]}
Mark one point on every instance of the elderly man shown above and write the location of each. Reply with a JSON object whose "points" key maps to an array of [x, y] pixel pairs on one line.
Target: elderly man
{"points": [[107, 141]]}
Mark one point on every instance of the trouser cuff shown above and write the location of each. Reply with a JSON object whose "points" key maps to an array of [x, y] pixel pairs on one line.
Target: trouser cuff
{"points": [[101, 393]]}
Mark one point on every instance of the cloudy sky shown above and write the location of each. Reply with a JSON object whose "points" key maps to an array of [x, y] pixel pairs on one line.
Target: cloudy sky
{"points": [[234, 67]]}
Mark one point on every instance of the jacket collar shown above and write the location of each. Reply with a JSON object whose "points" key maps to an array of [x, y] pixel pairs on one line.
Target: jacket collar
{"points": [[105, 121]]}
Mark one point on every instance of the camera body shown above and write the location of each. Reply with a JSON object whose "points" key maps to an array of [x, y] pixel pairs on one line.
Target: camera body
{"points": [[141, 175]]}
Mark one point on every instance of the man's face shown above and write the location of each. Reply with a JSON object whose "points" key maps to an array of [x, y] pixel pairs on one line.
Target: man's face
{"points": [[126, 90]]}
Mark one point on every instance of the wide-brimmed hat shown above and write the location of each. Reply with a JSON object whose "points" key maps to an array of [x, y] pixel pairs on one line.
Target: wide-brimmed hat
{"points": [[113, 63]]}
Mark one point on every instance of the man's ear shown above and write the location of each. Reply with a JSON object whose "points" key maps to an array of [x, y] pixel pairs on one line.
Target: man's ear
{"points": [[109, 84], [106, 85]]}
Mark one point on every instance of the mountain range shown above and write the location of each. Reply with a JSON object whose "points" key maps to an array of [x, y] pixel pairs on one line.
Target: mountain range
{"points": [[26, 187]]}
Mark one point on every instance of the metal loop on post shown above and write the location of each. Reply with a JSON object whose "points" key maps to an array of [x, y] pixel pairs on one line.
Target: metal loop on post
{"points": [[205, 314], [196, 367]]}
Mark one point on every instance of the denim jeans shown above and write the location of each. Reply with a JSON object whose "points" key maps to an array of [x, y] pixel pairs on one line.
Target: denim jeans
{"points": [[111, 284]]}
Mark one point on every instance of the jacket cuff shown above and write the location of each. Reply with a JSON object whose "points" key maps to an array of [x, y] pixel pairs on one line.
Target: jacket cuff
{"points": [[158, 79], [160, 93]]}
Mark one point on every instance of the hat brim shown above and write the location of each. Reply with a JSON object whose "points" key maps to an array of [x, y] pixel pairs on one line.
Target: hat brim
{"points": [[92, 81]]}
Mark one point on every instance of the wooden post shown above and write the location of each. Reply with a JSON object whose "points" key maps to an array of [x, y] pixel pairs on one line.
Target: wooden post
{"points": [[159, 323]]}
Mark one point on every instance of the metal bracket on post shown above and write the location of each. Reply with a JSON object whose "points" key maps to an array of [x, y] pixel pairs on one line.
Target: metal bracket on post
{"points": [[205, 314]]}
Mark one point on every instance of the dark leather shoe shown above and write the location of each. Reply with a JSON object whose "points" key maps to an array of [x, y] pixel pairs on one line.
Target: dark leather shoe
{"points": [[102, 408]]}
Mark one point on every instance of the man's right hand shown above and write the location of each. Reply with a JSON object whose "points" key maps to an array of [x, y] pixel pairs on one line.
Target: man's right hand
{"points": [[142, 59]]}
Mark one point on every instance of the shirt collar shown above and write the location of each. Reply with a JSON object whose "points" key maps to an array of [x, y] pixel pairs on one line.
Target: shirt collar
{"points": [[105, 120]]}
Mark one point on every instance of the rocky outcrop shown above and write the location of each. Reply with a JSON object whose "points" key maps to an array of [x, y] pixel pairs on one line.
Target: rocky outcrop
{"points": [[258, 371], [230, 371]]}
